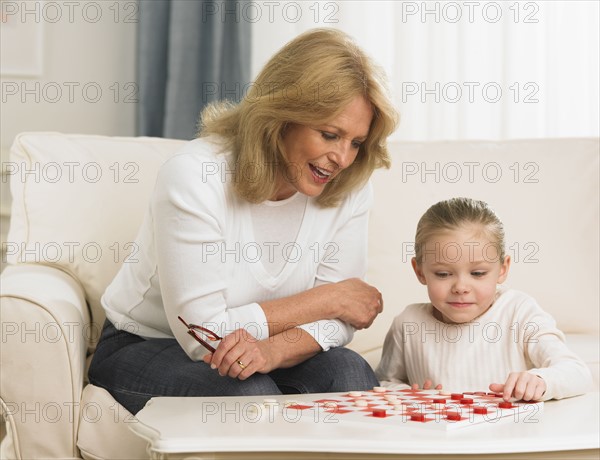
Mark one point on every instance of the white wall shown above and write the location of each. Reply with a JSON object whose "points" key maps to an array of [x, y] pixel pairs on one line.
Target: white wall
{"points": [[76, 52]]}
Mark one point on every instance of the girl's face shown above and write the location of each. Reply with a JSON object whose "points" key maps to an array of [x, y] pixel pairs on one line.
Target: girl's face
{"points": [[317, 154], [461, 269]]}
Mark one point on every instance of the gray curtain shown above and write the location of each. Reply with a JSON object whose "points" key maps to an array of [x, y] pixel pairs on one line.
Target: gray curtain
{"points": [[190, 53]]}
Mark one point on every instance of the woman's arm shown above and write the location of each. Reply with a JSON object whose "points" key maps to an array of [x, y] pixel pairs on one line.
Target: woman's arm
{"points": [[189, 215], [352, 301], [280, 351], [288, 344]]}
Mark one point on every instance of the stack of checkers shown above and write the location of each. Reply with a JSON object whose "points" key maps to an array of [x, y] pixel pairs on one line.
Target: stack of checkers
{"points": [[430, 409]]}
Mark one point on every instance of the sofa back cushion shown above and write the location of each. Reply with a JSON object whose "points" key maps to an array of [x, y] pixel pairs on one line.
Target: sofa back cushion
{"points": [[78, 201], [546, 193]]}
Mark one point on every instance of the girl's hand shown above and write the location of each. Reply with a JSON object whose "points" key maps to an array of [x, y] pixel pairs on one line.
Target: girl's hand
{"points": [[427, 385], [358, 302], [240, 354], [522, 386]]}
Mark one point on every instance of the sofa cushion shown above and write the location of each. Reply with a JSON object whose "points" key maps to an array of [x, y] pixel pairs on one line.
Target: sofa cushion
{"points": [[78, 202], [101, 419]]}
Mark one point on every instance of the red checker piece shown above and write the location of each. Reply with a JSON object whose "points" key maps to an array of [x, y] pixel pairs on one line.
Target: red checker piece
{"points": [[381, 413], [466, 401], [418, 417], [480, 410], [456, 396], [505, 405], [453, 416]]}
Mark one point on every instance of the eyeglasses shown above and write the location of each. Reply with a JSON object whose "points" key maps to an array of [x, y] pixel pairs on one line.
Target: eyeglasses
{"points": [[207, 333]]}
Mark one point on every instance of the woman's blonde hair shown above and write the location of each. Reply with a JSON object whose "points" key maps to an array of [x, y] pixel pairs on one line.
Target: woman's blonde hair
{"points": [[455, 213], [309, 82]]}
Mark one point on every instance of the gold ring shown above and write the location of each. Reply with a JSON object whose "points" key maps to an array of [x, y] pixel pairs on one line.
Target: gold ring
{"points": [[241, 364]]}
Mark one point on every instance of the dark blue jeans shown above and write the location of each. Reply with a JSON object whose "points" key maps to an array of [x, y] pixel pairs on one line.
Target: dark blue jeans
{"points": [[133, 370]]}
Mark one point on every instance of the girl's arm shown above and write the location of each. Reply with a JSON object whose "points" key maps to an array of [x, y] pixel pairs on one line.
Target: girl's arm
{"points": [[564, 373], [391, 370], [556, 371]]}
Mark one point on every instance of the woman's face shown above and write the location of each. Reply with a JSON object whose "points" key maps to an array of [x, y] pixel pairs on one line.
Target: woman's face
{"points": [[317, 154]]}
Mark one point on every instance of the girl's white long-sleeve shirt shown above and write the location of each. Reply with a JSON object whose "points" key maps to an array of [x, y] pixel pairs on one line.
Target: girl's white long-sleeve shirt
{"points": [[514, 335], [198, 258]]}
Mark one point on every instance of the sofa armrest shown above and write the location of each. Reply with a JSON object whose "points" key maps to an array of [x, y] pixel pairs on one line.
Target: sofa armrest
{"points": [[45, 332]]}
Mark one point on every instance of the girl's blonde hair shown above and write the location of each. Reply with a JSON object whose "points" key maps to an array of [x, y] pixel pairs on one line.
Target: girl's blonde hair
{"points": [[309, 82], [455, 213]]}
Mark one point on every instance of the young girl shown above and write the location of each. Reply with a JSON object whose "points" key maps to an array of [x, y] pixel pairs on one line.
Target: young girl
{"points": [[475, 335]]}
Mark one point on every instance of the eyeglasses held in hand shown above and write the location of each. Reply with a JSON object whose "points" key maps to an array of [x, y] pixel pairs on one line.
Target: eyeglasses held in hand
{"points": [[207, 333]]}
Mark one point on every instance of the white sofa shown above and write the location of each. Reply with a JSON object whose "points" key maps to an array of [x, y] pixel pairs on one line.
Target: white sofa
{"points": [[78, 201]]}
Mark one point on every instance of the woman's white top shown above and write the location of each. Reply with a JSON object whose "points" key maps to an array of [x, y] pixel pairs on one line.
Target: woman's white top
{"points": [[199, 257]]}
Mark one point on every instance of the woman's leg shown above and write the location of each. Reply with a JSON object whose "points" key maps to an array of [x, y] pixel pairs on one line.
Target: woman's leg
{"points": [[338, 369], [133, 370]]}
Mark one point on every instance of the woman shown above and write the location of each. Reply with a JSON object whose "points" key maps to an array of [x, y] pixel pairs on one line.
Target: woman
{"points": [[257, 230]]}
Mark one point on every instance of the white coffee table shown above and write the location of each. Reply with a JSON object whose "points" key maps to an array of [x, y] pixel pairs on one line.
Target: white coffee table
{"points": [[194, 428]]}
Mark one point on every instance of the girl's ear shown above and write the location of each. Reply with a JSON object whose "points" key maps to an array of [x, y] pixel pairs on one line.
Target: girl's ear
{"points": [[504, 268], [418, 271]]}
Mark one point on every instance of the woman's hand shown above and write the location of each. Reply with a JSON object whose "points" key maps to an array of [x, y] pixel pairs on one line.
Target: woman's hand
{"points": [[426, 386], [521, 385], [358, 303], [240, 354]]}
